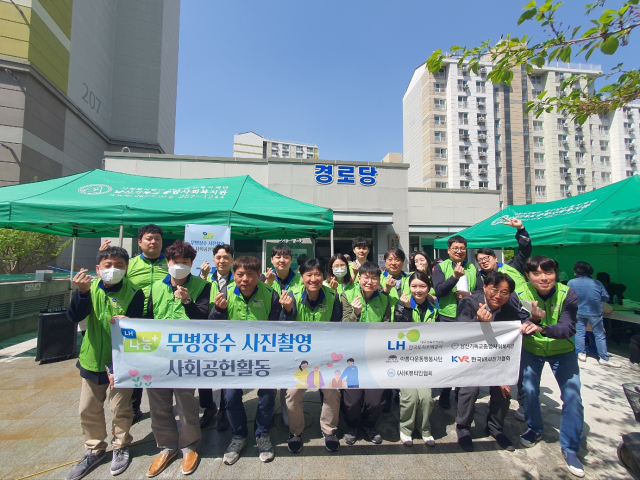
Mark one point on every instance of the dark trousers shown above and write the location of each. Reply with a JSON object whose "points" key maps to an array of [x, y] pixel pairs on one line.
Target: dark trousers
{"points": [[634, 349], [498, 408], [238, 416], [362, 407], [205, 395], [136, 399]]}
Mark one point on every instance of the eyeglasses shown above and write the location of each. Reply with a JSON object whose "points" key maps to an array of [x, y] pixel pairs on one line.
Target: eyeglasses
{"points": [[367, 279], [503, 293], [484, 259], [459, 249]]}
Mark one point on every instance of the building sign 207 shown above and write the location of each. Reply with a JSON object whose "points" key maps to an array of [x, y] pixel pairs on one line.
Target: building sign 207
{"points": [[346, 175]]}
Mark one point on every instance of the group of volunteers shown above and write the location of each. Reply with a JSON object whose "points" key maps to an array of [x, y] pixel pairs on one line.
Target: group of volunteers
{"points": [[157, 285]]}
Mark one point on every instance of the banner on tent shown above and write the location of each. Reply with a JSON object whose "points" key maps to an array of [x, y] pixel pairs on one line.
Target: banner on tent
{"points": [[240, 354], [204, 238]]}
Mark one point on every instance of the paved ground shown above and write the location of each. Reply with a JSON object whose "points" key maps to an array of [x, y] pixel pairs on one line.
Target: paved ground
{"points": [[39, 431]]}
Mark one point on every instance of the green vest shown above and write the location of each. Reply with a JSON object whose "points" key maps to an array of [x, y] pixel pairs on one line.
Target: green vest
{"points": [[374, 310], [354, 276], [342, 288], [95, 352], [430, 316], [515, 275], [294, 282], [322, 312], [165, 305], [143, 273], [536, 343], [215, 287], [447, 304], [393, 294], [257, 308]]}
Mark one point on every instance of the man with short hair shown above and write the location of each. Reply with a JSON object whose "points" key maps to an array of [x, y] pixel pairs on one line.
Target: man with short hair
{"points": [[220, 277], [284, 278], [445, 278], [98, 300], [488, 262], [361, 248], [249, 299], [549, 339], [394, 280], [494, 303]]}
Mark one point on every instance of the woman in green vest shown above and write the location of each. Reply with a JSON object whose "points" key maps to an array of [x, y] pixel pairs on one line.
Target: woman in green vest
{"points": [[179, 296], [314, 302], [416, 404], [339, 277], [549, 339], [420, 262]]}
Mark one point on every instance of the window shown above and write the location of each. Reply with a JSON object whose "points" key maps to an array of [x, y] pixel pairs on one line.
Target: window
{"points": [[629, 173], [605, 161], [440, 87], [441, 73], [298, 154], [499, 171], [564, 156], [496, 124], [480, 87], [582, 189], [462, 102], [441, 184], [498, 139], [440, 104], [538, 157], [579, 157], [629, 161], [481, 102], [441, 137], [562, 139], [309, 155], [441, 170], [536, 79], [463, 118], [605, 177], [559, 76], [541, 191], [464, 167], [482, 119], [538, 126], [462, 85], [440, 120], [603, 129], [604, 145], [538, 141], [539, 174], [496, 107], [464, 184], [483, 185], [564, 191], [483, 170], [441, 153], [579, 141], [464, 151], [627, 125], [482, 150], [298, 148], [464, 135]]}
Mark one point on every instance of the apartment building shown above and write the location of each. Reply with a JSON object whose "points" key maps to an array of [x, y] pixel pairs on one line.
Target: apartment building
{"points": [[252, 145], [461, 131]]}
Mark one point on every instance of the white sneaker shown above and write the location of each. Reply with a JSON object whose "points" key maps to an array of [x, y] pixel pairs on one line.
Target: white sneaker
{"points": [[429, 441], [608, 363], [634, 366], [582, 357], [520, 414], [406, 439], [285, 416]]}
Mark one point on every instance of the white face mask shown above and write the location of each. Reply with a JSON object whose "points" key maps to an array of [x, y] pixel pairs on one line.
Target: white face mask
{"points": [[340, 272], [111, 276], [179, 271]]}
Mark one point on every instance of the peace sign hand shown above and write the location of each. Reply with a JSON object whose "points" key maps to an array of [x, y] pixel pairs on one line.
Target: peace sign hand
{"points": [[512, 222]]}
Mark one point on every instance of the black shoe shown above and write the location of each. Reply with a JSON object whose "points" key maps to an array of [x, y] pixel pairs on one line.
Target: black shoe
{"points": [[444, 401], [373, 435], [504, 442], [295, 443], [137, 416], [350, 436], [331, 442], [223, 420], [464, 439], [207, 417]]}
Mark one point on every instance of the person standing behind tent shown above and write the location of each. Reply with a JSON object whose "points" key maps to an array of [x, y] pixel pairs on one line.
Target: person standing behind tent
{"points": [[416, 404], [445, 277], [549, 339], [221, 276], [591, 293], [284, 278], [363, 407], [339, 278], [488, 261], [314, 303], [98, 300], [179, 296], [249, 299], [361, 248]]}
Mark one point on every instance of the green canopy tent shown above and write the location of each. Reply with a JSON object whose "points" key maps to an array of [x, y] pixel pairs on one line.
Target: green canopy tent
{"points": [[601, 227], [99, 203]]}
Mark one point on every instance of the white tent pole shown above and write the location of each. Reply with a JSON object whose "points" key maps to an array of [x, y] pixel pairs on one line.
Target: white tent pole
{"points": [[332, 253], [264, 255], [120, 237], [502, 254], [73, 257]]}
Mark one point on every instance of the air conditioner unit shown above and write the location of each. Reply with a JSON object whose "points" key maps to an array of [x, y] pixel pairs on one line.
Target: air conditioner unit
{"points": [[481, 105], [482, 121], [467, 173], [633, 162], [464, 70], [482, 70], [566, 159], [482, 137], [482, 154], [630, 130], [578, 128], [581, 176], [567, 175], [483, 172], [467, 153], [582, 143], [465, 136], [632, 146], [565, 143], [569, 194], [629, 113]]}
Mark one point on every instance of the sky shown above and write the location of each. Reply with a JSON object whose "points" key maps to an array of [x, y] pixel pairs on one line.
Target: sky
{"points": [[332, 73]]}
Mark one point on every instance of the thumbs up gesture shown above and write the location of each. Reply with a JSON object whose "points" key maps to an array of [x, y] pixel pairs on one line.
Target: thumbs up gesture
{"points": [[484, 315], [286, 301]]}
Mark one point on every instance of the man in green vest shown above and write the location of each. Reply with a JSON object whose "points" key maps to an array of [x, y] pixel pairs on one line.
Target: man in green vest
{"points": [[394, 281], [549, 339], [283, 278], [178, 296], [445, 277], [249, 299], [98, 300], [488, 261], [366, 303], [220, 277], [315, 302]]}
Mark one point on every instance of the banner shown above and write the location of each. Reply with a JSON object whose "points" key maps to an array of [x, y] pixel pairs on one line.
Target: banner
{"points": [[203, 238], [271, 354]]}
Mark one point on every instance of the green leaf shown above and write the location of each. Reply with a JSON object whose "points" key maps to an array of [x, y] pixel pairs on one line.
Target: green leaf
{"points": [[456, 48], [565, 54], [434, 62], [529, 14], [538, 62], [610, 45], [531, 4], [507, 77], [541, 95], [528, 68]]}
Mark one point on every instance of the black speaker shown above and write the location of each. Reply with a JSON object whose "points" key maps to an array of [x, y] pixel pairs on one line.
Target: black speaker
{"points": [[56, 335]]}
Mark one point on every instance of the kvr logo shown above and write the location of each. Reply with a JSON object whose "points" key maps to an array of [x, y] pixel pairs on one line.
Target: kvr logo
{"points": [[412, 335], [459, 359]]}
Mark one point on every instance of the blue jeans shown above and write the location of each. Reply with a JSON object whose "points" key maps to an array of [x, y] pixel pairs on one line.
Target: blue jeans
{"points": [[597, 326], [238, 416], [565, 369]]}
